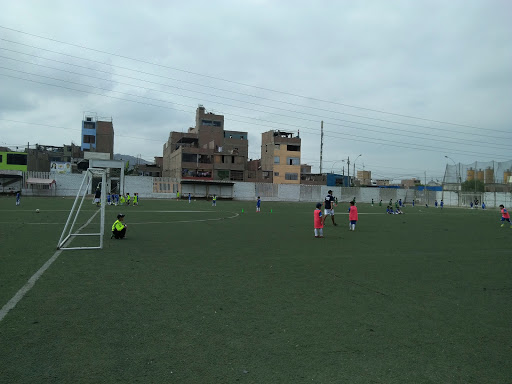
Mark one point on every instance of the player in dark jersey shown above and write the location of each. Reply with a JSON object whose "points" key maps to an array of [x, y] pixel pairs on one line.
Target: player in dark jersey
{"points": [[329, 206]]}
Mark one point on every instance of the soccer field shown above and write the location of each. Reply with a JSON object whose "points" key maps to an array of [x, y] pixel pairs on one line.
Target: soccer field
{"points": [[202, 294]]}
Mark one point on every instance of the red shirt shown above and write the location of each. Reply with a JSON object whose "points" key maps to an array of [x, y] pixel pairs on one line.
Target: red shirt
{"points": [[505, 214], [318, 219], [352, 213]]}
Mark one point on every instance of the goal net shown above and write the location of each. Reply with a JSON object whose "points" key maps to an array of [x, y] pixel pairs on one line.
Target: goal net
{"points": [[488, 172], [80, 222]]}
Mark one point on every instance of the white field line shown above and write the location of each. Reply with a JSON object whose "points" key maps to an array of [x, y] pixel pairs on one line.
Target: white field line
{"points": [[187, 221], [152, 222], [30, 283]]}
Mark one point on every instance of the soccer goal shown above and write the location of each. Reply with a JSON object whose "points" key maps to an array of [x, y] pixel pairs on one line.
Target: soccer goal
{"points": [[69, 229]]}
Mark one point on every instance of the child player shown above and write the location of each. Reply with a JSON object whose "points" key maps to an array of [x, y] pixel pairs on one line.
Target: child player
{"points": [[505, 216], [119, 228], [18, 198], [319, 223], [258, 205], [136, 199], [352, 216]]}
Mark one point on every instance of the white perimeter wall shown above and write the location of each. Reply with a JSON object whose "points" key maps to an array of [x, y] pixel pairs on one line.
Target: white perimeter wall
{"points": [[68, 184]]}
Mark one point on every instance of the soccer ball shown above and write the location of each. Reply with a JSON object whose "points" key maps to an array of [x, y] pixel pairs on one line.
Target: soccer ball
{"points": [[37, 210]]}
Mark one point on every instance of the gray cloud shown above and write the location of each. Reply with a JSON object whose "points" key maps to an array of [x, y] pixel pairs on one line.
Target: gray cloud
{"points": [[436, 60]]}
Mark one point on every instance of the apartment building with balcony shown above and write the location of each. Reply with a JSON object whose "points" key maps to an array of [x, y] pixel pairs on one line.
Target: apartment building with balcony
{"points": [[206, 151], [280, 153]]}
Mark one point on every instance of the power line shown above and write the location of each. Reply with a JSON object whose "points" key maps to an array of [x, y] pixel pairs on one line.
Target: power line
{"points": [[459, 141], [224, 80], [367, 139]]}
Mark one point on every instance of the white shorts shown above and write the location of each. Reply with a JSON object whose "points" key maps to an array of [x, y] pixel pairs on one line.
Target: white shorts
{"points": [[329, 212], [96, 200]]}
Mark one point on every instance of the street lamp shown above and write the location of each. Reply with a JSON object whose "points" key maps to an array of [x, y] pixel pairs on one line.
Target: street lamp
{"points": [[354, 173], [337, 161]]}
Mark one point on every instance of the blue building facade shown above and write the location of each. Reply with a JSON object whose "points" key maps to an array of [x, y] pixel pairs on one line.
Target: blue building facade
{"points": [[88, 134], [335, 180]]}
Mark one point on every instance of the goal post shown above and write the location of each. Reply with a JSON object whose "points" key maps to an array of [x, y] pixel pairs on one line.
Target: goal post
{"points": [[67, 232]]}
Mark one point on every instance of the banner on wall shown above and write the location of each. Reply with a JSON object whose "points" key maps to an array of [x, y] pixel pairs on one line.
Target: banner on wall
{"points": [[60, 167]]}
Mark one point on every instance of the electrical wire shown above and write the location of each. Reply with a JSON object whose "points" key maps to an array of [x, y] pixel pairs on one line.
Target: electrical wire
{"points": [[428, 135], [235, 82], [352, 138]]}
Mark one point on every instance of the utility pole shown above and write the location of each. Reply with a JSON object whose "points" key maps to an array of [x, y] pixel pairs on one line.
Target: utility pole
{"points": [[321, 143], [348, 169]]}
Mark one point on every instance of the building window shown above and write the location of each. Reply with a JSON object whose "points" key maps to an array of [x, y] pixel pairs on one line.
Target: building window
{"points": [[276, 160], [16, 159], [237, 175], [293, 161], [291, 176], [276, 173], [223, 174], [294, 148], [277, 146], [211, 123], [189, 157], [89, 125], [89, 139]]}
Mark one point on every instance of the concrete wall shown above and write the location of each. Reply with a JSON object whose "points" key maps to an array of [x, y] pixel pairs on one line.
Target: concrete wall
{"points": [[68, 184]]}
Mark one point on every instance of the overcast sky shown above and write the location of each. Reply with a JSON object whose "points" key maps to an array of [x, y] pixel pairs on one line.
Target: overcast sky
{"points": [[403, 83]]}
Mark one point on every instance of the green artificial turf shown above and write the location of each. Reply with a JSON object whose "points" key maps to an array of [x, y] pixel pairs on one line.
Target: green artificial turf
{"points": [[220, 296]]}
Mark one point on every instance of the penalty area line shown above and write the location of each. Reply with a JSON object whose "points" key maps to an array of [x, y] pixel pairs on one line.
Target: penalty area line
{"points": [[30, 283]]}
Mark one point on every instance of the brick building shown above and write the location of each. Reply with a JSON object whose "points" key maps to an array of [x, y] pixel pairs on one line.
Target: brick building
{"points": [[97, 135], [206, 151]]}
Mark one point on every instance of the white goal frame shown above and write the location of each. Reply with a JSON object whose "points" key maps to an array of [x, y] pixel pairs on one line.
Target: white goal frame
{"points": [[81, 194]]}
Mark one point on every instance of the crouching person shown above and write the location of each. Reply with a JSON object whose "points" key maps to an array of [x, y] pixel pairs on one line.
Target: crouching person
{"points": [[119, 228]]}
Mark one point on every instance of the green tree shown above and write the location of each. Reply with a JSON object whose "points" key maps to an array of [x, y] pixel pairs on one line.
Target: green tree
{"points": [[473, 186]]}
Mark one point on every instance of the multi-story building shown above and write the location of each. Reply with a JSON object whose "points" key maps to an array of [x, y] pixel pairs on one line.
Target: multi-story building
{"points": [[255, 174], [50, 158], [97, 135], [364, 177], [206, 151], [154, 169], [280, 153]]}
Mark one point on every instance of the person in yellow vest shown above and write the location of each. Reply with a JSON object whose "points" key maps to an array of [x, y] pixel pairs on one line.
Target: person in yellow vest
{"points": [[121, 200], [214, 201], [128, 199], [119, 227], [136, 199]]}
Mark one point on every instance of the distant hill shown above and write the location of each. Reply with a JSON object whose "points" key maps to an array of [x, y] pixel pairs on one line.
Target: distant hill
{"points": [[132, 160]]}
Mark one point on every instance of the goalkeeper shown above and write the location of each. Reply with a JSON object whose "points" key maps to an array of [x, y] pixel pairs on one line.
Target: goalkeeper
{"points": [[119, 228]]}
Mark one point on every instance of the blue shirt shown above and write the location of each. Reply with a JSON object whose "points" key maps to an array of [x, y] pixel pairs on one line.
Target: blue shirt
{"points": [[258, 203]]}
